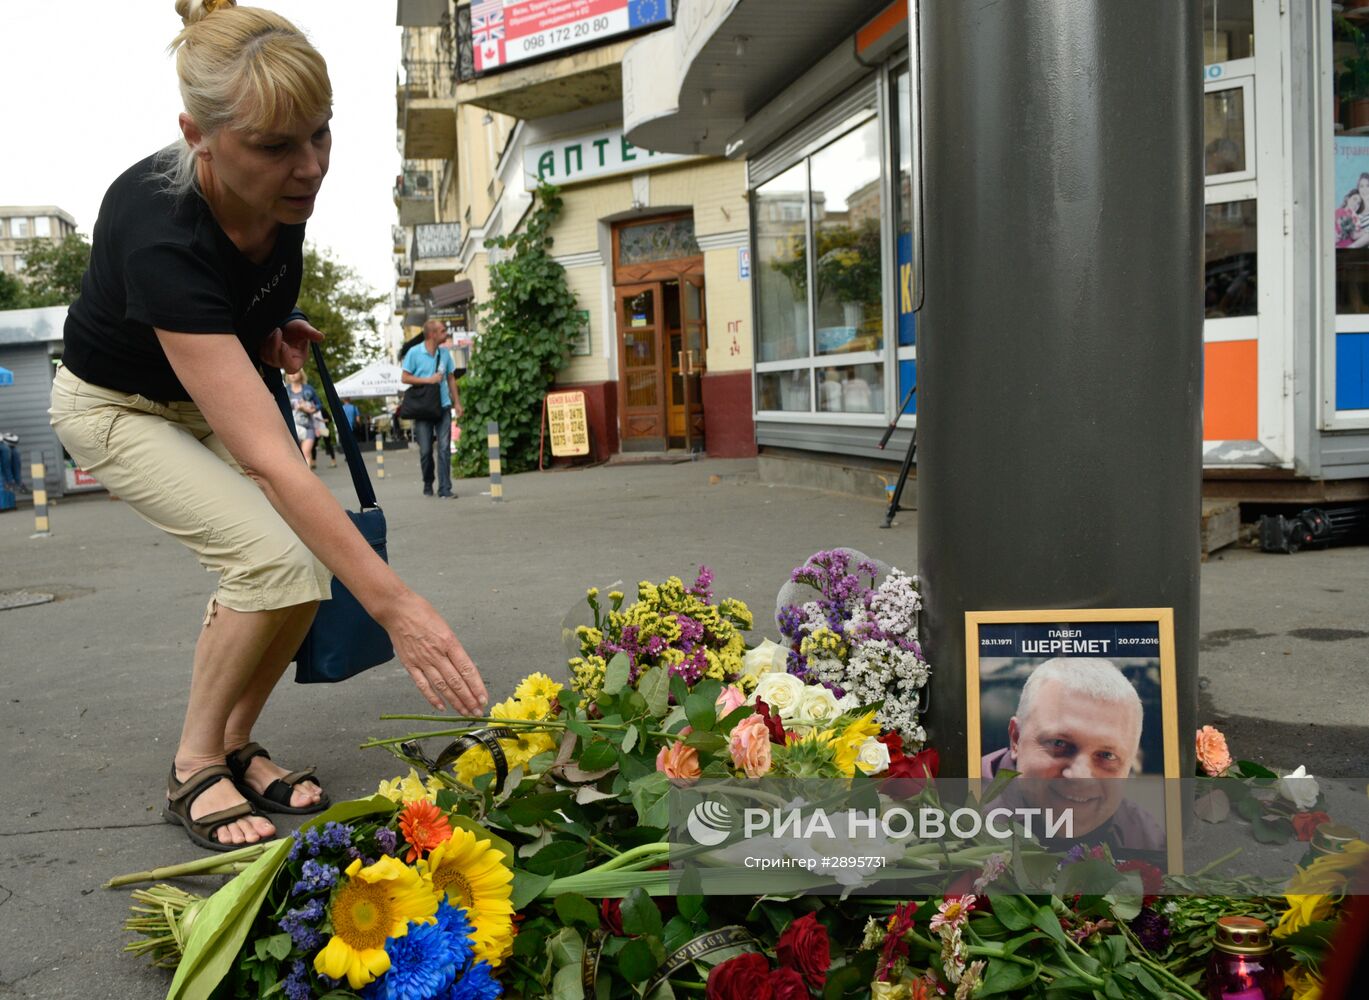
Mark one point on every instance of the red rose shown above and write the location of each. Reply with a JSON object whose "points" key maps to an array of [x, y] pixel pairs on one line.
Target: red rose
{"points": [[772, 722], [611, 913], [746, 977], [1305, 824], [1152, 879], [804, 947], [786, 984], [894, 742], [912, 773]]}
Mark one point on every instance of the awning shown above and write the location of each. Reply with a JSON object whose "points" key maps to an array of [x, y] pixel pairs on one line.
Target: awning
{"points": [[377, 379], [6, 377], [452, 293]]}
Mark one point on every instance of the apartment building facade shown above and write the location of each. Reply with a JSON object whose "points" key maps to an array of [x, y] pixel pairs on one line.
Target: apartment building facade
{"points": [[21, 225]]}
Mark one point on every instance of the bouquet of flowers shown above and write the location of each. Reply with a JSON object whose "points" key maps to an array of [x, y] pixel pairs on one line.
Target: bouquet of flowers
{"points": [[669, 625], [858, 638]]}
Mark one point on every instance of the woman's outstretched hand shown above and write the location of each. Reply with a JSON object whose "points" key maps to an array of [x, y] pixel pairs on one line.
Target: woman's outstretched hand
{"points": [[438, 663]]}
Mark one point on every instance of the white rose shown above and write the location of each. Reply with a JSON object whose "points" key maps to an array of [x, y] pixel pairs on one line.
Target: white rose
{"points": [[764, 658], [781, 692], [817, 705], [1300, 788], [873, 757]]}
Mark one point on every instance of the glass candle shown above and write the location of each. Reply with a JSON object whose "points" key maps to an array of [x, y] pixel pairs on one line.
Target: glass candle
{"points": [[1242, 966]]}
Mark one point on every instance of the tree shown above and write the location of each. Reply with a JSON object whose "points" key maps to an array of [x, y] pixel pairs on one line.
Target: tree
{"points": [[52, 271], [526, 332], [340, 304], [11, 292]]}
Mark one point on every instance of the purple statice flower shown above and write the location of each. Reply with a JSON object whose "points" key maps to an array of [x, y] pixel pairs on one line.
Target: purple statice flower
{"points": [[790, 619], [301, 924], [296, 985], [386, 840], [655, 645], [335, 836], [315, 877], [1152, 930], [297, 847], [703, 585], [690, 631], [692, 668]]}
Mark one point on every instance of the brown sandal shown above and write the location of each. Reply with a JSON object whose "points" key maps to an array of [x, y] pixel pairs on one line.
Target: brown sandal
{"points": [[276, 798], [182, 795]]}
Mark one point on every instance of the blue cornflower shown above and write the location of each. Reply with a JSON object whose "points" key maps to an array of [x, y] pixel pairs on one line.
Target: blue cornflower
{"points": [[423, 964], [301, 924], [387, 840], [477, 984], [453, 922], [315, 877], [296, 985]]}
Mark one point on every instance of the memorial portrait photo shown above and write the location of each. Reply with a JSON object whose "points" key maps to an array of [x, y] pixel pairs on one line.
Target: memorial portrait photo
{"points": [[1081, 705]]}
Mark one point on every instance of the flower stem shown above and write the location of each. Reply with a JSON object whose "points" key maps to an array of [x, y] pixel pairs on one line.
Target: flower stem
{"points": [[216, 864], [1216, 864]]}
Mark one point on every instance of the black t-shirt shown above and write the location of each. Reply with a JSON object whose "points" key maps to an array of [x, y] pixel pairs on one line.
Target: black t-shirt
{"points": [[157, 260]]}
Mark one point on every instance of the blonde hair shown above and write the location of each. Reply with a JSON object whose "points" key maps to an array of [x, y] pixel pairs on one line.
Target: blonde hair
{"points": [[240, 67]]}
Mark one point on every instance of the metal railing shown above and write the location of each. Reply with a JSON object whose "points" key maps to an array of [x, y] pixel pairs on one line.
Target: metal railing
{"points": [[436, 240]]}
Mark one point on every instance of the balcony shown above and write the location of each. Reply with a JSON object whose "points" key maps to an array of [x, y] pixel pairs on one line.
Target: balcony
{"points": [[426, 110], [404, 275], [414, 197], [399, 236], [539, 90], [435, 252]]}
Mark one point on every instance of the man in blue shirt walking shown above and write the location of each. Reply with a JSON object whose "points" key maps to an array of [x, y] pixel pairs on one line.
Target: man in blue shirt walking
{"points": [[429, 364]]}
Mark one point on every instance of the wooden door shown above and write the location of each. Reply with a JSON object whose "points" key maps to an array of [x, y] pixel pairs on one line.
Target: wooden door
{"points": [[693, 352], [641, 367]]}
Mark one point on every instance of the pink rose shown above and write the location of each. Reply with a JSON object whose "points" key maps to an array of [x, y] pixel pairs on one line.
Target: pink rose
{"points": [[730, 700], [1213, 754], [679, 762], [750, 745]]}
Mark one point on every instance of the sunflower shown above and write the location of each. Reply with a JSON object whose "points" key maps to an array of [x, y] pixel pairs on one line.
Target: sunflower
{"points": [[374, 904], [424, 826], [472, 874]]}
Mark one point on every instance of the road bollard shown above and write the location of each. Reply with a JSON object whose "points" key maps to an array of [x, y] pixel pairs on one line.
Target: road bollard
{"points": [[380, 456], [496, 468], [40, 500]]}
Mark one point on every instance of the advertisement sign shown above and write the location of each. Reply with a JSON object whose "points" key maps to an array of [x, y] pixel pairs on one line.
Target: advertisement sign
{"points": [[568, 423], [508, 32], [582, 157], [579, 346]]}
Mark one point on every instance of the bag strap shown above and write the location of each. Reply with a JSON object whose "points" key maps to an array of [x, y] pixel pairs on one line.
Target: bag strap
{"points": [[361, 480]]}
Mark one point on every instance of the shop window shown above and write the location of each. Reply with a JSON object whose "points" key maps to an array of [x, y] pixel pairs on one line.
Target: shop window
{"points": [[846, 206], [781, 273], [1228, 30], [1229, 250], [788, 390], [851, 389], [664, 239], [1224, 132]]}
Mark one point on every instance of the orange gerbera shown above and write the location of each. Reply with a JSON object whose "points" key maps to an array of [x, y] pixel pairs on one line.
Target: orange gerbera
{"points": [[424, 826]]}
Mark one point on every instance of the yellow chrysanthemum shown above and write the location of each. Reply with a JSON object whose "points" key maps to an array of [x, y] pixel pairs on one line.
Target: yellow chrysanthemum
{"points": [[847, 743], [375, 903], [517, 752], [472, 874], [1304, 984], [537, 686], [1314, 892], [409, 788]]}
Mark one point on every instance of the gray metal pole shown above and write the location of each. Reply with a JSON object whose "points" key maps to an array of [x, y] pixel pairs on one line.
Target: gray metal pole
{"points": [[1060, 361]]}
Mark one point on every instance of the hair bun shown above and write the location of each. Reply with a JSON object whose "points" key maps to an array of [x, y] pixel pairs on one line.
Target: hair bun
{"points": [[192, 11]]}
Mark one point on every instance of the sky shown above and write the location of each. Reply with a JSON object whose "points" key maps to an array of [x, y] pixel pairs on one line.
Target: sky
{"points": [[87, 89]]}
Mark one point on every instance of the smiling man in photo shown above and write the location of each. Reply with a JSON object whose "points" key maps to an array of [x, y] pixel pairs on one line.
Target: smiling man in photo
{"points": [[1074, 739]]}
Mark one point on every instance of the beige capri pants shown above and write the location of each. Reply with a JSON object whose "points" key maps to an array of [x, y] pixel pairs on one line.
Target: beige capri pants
{"points": [[163, 460]]}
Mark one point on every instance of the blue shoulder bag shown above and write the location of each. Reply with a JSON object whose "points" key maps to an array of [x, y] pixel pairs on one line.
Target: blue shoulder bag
{"points": [[344, 640]]}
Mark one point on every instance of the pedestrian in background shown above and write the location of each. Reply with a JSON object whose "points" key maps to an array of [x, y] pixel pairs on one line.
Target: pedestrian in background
{"points": [[11, 464], [428, 363], [185, 308], [304, 406]]}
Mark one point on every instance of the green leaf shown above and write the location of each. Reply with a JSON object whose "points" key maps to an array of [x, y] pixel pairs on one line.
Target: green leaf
{"points": [[567, 984], [1016, 912], [616, 673], [1250, 769], [1046, 920], [640, 915], [1006, 977], [649, 799], [1272, 831], [701, 712], [640, 958], [276, 946], [566, 947], [706, 742], [578, 727], [691, 907], [530, 810], [573, 908], [678, 932], [654, 686], [679, 690], [729, 721], [598, 756], [559, 859], [629, 739], [527, 887]]}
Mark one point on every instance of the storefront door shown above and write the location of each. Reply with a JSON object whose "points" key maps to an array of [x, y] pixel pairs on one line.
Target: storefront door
{"points": [[662, 342]]}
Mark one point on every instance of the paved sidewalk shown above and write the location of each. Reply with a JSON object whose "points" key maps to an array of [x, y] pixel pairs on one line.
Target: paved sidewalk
{"points": [[94, 683]]}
